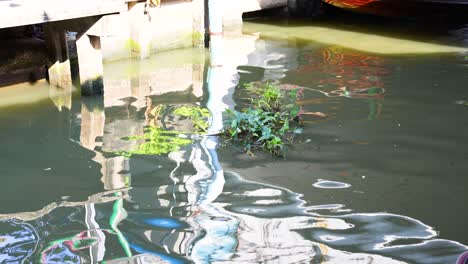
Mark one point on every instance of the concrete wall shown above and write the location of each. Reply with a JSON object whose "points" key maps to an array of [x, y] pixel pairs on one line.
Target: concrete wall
{"points": [[143, 30], [15, 13]]}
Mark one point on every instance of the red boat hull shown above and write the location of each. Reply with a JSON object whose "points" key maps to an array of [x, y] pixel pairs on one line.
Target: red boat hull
{"points": [[403, 7]]}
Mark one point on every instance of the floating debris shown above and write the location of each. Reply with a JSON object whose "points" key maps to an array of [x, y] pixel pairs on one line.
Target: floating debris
{"points": [[325, 184], [461, 102]]}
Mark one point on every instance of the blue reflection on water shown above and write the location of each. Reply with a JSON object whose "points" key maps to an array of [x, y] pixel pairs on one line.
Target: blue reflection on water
{"points": [[163, 222], [18, 243]]}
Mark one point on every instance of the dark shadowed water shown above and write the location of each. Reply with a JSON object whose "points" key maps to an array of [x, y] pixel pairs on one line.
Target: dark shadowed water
{"points": [[380, 177]]}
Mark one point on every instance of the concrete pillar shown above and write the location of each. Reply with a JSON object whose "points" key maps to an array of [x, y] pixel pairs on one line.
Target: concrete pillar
{"points": [[58, 60], [90, 64], [199, 23], [140, 30], [115, 42]]}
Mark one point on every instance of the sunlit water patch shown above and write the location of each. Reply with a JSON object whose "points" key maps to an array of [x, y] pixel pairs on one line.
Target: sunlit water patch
{"points": [[351, 39]]}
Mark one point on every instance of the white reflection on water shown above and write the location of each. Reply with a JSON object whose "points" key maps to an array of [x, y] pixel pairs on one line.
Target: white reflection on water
{"points": [[325, 184]]}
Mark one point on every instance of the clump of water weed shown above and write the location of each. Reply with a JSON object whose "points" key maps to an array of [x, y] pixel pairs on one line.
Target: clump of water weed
{"points": [[268, 123]]}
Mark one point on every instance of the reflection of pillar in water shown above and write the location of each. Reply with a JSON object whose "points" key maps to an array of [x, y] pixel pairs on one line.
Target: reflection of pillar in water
{"points": [[140, 88], [206, 185], [216, 88], [119, 85], [219, 240], [92, 122], [197, 78], [98, 250], [115, 171], [61, 97], [92, 127]]}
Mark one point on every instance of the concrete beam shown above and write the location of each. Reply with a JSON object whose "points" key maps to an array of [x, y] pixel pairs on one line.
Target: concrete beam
{"points": [[15, 13], [199, 23]]}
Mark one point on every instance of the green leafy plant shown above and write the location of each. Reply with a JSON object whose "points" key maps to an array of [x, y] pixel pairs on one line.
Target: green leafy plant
{"points": [[266, 124]]}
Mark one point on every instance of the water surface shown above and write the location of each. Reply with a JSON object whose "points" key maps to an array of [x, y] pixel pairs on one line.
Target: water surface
{"points": [[380, 178]]}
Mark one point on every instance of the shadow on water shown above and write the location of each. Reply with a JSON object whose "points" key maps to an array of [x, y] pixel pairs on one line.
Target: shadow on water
{"points": [[378, 178]]}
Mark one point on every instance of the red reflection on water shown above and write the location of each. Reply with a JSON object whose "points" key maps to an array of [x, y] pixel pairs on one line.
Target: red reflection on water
{"points": [[338, 72], [350, 3], [347, 73]]}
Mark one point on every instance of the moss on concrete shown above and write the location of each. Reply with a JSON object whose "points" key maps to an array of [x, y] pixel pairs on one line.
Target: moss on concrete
{"points": [[198, 38], [157, 44], [133, 46]]}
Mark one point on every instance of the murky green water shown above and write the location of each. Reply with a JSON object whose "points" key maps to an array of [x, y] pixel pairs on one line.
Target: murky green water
{"points": [[381, 178]]}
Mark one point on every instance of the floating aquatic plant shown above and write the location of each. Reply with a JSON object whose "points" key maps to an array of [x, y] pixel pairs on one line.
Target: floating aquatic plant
{"points": [[268, 123]]}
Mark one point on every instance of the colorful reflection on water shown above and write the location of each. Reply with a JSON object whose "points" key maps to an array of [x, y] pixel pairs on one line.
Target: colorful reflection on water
{"points": [[173, 222]]}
